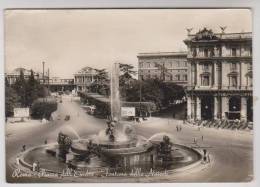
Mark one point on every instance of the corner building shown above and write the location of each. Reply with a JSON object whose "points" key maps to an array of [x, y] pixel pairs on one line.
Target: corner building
{"points": [[220, 76]]}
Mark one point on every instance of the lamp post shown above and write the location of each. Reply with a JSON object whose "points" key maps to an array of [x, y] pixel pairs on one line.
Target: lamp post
{"points": [[43, 63]]}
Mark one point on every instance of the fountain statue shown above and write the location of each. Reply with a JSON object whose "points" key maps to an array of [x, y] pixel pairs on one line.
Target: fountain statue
{"points": [[64, 142]]}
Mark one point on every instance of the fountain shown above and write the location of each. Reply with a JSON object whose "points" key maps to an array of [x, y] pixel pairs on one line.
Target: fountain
{"points": [[117, 148]]}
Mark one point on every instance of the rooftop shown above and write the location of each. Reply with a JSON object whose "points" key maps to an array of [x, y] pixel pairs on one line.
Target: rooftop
{"points": [[183, 53], [207, 34]]}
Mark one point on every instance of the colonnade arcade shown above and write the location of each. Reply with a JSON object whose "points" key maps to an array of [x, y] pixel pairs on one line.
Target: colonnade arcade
{"points": [[230, 106]]}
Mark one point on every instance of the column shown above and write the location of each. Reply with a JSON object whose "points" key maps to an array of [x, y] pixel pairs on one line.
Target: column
{"points": [[243, 72], [216, 107], [192, 108], [224, 106], [188, 107], [216, 69], [197, 74], [243, 112], [198, 108]]}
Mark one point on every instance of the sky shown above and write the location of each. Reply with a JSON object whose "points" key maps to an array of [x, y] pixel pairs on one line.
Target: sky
{"points": [[68, 40]]}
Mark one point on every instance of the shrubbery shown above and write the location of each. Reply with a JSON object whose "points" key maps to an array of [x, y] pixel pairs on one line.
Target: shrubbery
{"points": [[43, 107]]}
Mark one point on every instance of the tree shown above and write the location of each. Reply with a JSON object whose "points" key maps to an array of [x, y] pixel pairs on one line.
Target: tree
{"points": [[154, 90], [20, 88], [11, 99], [126, 78], [101, 83], [32, 89]]}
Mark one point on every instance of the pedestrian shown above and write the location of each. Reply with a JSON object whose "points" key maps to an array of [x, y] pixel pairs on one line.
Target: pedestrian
{"points": [[208, 158], [17, 161], [202, 137], [24, 147], [204, 159], [45, 141], [38, 166], [177, 128], [34, 166], [180, 127], [195, 140]]}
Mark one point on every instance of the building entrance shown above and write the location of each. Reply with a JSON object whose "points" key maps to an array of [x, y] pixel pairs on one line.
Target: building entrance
{"points": [[250, 109], [234, 108], [207, 108]]}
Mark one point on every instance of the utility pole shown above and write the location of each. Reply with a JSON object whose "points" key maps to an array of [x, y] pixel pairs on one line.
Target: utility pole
{"points": [[48, 78], [140, 113], [43, 63]]}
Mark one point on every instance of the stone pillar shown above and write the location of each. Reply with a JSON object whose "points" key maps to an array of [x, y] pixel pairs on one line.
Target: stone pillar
{"points": [[198, 108], [216, 107], [216, 69], [224, 106], [197, 81], [192, 108], [188, 107], [243, 72], [243, 112]]}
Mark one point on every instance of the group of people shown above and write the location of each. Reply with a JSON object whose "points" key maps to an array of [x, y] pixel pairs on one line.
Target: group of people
{"points": [[36, 166], [178, 128]]}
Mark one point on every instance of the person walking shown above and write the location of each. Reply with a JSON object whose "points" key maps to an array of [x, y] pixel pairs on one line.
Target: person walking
{"points": [[24, 148], [17, 161], [202, 138], [34, 166], [195, 140], [208, 158]]}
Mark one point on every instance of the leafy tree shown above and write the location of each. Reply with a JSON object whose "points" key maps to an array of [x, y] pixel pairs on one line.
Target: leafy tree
{"points": [[101, 83], [11, 99], [154, 90], [20, 88], [126, 79], [32, 89]]}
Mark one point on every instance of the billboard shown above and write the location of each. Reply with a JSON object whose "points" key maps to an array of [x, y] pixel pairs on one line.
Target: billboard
{"points": [[127, 111], [21, 112]]}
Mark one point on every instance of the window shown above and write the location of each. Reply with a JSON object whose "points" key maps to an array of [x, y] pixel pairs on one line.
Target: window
{"points": [[185, 64], [249, 67], [234, 52], [185, 77], [141, 64], [148, 76], [194, 52], [177, 77], [170, 77], [212, 53], [233, 66], [205, 67], [205, 80], [141, 77], [233, 81], [206, 52]]}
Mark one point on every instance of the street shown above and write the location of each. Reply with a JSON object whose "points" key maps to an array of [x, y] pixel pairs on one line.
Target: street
{"points": [[231, 152]]}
